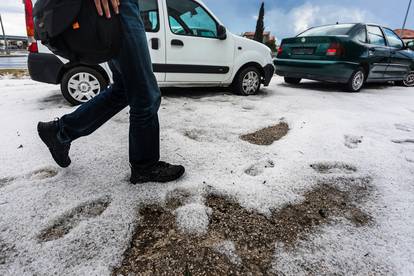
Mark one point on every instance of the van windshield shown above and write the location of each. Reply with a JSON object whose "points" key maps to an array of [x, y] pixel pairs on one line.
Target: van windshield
{"points": [[338, 29]]}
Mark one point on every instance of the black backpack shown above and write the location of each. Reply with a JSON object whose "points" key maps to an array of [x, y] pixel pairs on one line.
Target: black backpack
{"points": [[73, 30]]}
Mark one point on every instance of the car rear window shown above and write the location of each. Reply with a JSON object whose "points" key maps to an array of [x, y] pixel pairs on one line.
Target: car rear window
{"points": [[339, 29]]}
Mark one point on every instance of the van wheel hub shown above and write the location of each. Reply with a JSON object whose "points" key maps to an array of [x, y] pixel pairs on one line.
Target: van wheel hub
{"points": [[83, 86], [251, 82]]}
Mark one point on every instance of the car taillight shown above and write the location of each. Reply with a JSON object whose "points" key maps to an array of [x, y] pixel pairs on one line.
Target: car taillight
{"points": [[280, 50], [32, 44], [335, 50]]}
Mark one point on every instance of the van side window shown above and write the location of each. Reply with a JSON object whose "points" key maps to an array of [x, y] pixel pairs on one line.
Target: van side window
{"points": [[375, 36], [361, 36], [150, 15], [187, 17], [393, 39]]}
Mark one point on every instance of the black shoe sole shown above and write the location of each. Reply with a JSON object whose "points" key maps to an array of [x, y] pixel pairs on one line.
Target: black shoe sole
{"points": [[45, 141], [146, 179]]}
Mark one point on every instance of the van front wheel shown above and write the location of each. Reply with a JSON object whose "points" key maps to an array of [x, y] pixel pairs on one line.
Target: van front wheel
{"points": [[247, 82], [81, 84]]}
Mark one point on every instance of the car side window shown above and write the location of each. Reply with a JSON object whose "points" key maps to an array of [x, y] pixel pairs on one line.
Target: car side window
{"points": [[361, 36], [187, 17], [376, 36], [150, 15], [393, 39]]}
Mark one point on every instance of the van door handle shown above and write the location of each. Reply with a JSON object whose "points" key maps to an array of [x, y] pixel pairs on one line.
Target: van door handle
{"points": [[155, 43], [177, 42]]}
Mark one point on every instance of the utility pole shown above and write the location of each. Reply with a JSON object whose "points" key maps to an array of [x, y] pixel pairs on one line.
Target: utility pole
{"points": [[406, 16], [4, 36]]}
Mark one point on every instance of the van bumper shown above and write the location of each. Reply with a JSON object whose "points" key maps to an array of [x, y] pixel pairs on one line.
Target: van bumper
{"points": [[269, 71], [44, 67], [321, 70]]}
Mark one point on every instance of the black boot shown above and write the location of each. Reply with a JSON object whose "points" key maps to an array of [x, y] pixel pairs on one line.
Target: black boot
{"points": [[160, 172], [48, 133]]}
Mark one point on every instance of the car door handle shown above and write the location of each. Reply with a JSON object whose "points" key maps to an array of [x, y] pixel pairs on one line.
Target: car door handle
{"points": [[155, 43], [177, 42], [372, 51]]}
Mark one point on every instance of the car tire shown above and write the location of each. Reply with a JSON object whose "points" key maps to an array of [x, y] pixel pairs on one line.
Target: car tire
{"points": [[408, 81], [247, 82], [356, 81], [292, 80], [81, 84]]}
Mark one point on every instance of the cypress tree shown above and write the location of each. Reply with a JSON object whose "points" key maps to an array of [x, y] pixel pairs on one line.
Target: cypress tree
{"points": [[258, 35]]}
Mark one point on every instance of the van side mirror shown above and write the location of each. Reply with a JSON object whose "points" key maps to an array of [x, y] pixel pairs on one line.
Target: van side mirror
{"points": [[221, 32], [410, 45]]}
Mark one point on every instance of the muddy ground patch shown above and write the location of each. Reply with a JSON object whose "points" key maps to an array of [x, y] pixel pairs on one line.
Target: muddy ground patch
{"points": [[158, 248], [268, 135]]}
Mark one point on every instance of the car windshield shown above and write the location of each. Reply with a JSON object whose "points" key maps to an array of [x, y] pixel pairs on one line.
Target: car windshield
{"points": [[339, 29]]}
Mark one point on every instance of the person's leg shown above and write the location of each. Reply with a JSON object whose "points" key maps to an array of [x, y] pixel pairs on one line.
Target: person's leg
{"points": [[141, 87], [58, 134], [94, 113], [144, 98]]}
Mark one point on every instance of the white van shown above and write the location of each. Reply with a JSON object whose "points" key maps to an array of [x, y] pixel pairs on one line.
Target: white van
{"points": [[189, 48]]}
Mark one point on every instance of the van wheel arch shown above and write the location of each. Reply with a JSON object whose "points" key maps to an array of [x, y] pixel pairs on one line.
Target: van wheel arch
{"points": [[248, 79], [70, 66], [254, 64]]}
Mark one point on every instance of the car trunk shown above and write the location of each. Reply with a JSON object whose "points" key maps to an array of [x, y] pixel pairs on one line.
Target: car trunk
{"points": [[313, 48]]}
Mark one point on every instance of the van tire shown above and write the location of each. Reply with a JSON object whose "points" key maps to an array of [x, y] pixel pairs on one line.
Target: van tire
{"points": [[83, 81], [356, 81], [292, 80], [247, 82]]}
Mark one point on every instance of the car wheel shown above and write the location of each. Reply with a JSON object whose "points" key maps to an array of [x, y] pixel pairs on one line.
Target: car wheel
{"points": [[356, 81], [80, 84], [408, 81], [247, 82], [292, 80]]}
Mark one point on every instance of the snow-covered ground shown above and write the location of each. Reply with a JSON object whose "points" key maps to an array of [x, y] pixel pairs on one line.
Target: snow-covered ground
{"points": [[372, 131]]}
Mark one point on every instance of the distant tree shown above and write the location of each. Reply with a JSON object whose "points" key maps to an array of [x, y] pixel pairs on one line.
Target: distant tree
{"points": [[258, 35], [272, 45]]}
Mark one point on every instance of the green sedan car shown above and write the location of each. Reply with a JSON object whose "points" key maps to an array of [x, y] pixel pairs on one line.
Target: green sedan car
{"points": [[351, 54]]}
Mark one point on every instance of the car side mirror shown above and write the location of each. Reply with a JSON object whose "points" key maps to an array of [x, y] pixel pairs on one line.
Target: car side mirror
{"points": [[221, 32], [410, 45]]}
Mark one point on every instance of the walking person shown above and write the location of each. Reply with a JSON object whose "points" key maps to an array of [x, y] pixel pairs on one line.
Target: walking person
{"points": [[134, 85]]}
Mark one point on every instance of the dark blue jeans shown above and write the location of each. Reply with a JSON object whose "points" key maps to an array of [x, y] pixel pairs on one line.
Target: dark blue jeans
{"points": [[134, 85]]}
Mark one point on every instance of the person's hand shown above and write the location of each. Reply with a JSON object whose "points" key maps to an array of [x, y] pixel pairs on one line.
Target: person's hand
{"points": [[103, 6]]}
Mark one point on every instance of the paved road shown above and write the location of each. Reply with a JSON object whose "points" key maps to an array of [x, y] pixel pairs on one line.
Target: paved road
{"points": [[19, 62]]}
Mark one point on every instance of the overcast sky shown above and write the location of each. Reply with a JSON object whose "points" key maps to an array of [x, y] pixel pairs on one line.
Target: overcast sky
{"points": [[283, 17]]}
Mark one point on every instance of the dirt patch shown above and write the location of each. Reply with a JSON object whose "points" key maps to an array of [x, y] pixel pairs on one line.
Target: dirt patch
{"points": [[14, 73], [268, 135], [238, 242], [69, 221]]}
